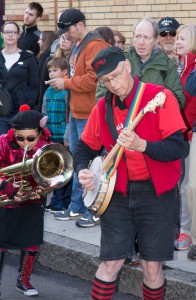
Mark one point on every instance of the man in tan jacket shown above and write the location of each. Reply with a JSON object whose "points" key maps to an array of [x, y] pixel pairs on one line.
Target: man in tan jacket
{"points": [[82, 85]]}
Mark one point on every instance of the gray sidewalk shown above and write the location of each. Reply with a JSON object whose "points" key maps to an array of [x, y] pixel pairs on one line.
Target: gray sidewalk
{"points": [[75, 251]]}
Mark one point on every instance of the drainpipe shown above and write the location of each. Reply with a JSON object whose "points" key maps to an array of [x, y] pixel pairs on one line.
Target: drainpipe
{"points": [[55, 12], [71, 3]]}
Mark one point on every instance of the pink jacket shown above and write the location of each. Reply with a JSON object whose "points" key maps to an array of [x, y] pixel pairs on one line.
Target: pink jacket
{"points": [[10, 156]]}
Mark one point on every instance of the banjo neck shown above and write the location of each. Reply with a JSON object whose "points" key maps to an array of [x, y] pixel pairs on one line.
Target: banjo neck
{"points": [[109, 160], [159, 100]]}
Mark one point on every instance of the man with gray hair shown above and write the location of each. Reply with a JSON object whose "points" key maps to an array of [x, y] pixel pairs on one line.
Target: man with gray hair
{"points": [[143, 200], [150, 63], [167, 34]]}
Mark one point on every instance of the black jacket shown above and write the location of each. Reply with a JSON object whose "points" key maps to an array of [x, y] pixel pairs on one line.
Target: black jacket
{"points": [[44, 77], [21, 80], [41, 61], [28, 39]]}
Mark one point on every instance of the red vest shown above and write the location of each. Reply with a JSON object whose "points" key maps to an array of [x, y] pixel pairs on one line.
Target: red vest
{"points": [[165, 175]]}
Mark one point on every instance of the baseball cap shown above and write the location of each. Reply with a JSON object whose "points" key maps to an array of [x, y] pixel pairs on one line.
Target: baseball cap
{"points": [[107, 60], [168, 24], [69, 17]]}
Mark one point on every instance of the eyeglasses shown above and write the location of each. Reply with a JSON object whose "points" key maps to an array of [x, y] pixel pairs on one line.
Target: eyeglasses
{"points": [[29, 138], [6, 32], [114, 78], [64, 38], [147, 39], [165, 33]]}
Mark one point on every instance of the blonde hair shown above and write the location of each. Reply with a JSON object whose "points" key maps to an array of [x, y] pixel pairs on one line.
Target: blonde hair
{"points": [[61, 53], [190, 32]]}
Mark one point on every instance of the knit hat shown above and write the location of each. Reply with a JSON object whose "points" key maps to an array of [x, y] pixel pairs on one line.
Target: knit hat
{"points": [[69, 17], [168, 24], [107, 60], [28, 119]]}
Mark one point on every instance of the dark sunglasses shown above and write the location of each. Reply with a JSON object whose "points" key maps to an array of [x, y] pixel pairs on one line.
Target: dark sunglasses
{"points": [[65, 25], [30, 138], [165, 33]]}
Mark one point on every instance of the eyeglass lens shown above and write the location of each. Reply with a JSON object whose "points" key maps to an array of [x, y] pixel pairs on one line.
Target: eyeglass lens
{"points": [[29, 138], [165, 33], [65, 38]]}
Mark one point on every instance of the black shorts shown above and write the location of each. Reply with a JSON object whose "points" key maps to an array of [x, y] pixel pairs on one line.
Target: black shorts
{"points": [[141, 212]]}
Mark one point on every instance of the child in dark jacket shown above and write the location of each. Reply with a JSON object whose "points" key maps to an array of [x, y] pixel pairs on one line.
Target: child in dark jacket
{"points": [[54, 106]]}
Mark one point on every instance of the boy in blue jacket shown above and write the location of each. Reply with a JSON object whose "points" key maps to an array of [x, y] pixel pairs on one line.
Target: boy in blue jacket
{"points": [[54, 106]]}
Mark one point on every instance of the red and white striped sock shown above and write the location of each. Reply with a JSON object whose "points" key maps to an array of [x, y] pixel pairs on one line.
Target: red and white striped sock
{"points": [[153, 294], [103, 290]]}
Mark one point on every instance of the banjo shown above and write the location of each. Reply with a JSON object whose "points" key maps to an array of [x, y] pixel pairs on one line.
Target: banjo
{"points": [[98, 199]]}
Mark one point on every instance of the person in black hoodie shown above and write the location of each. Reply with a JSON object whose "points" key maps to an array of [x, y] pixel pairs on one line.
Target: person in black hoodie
{"points": [[28, 39], [18, 74]]}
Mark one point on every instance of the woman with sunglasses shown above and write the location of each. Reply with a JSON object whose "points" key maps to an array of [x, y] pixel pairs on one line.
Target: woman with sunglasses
{"points": [[18, 73], [21, 222]]}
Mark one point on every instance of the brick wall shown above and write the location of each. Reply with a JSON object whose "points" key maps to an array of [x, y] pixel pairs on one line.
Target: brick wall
{"points": [[117, 14]]}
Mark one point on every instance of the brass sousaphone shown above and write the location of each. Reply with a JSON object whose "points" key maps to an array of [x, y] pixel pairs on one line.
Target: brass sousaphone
{"points": [[51, 168]]}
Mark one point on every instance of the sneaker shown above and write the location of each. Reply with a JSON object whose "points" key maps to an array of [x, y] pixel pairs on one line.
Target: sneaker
{"points": [[48, 208], [192, 252], [67, 215], [55, 209], [88, 221], [132, 261], [27, 290], [183, 242]]}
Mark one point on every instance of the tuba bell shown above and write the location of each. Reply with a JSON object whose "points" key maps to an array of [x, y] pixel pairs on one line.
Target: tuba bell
{"points": [[51, 168]]}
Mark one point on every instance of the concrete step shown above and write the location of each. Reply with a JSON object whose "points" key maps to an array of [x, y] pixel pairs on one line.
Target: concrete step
{"points": [[75, 251]]}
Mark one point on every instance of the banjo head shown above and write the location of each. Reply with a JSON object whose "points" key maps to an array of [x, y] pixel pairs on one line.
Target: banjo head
{"points": [[96, 168]]}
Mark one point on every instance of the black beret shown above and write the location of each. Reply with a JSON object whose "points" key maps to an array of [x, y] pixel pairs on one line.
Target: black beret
{"points": [[26, 118]]}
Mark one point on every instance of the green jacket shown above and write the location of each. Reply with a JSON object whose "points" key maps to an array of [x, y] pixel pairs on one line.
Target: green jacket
{"points": [[159, 69], [100, 92]]}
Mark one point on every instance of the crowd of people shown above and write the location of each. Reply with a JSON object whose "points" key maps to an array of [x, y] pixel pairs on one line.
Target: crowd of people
{"points": [[83, 89]]}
